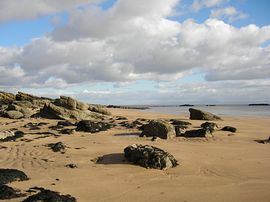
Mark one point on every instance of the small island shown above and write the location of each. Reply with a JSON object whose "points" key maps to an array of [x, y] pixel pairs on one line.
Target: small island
{"points": [[259, 104]]}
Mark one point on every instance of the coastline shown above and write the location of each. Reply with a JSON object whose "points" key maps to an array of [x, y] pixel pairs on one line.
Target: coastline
{"points": [[219, 169]]}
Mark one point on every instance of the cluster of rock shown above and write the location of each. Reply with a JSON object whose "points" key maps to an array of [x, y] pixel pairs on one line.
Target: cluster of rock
{"points": [[149, 157]]}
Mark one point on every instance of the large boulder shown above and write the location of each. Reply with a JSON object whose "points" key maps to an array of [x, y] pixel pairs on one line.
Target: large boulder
{"points": [[11, 175], [149, 157], [18, 106], [66, 102], [6, 98], [92, 126], [99, 109], [196, 114], [158, 128], [14, 114]]}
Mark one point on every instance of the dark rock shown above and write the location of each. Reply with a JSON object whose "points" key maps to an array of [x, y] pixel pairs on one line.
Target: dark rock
{"points": [[209, 125], [65, 123], [198, 133], [10, 135], [49, 196], [57, 127], [229, 128], [71, 165], [91, 126], [14, 114], [7, 192], [196, 114], [180, 130], [149, 157], [159, 129], [67, 131], [32, 126], [121, 118], [57, 147], [11, 175], [266, 141], [180, 123]]}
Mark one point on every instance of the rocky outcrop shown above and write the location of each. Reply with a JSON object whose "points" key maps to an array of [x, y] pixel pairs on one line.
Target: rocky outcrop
{"points": [[92, 126], [159, 129], [99, 109], [149, 157], [229, 128], [49, 196], [20, 96], [11, 175], [6, 98], [196, 114]]}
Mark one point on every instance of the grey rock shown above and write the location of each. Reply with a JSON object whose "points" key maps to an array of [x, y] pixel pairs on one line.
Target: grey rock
{"points": [[11, 175], [92, 126], [159, 129], [196, 114], [14, 114], [57, 147], [149, 157]]}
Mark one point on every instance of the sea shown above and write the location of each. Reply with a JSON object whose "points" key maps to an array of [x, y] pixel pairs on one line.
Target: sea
{"points": [[220, 110]]}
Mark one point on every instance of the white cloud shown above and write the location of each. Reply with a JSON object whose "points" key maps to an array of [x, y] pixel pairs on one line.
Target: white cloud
{"points": [[229, 13], [29, 9], [199, 4]]}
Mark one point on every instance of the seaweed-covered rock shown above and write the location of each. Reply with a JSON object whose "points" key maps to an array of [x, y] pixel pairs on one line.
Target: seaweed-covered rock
{"points": [[229, 128], [10, 135], [10, 175], [49, 196], [159, 129], [57, 147], [196, 114], [149, 157], [92, 126], [198, 133], [7, 192]]}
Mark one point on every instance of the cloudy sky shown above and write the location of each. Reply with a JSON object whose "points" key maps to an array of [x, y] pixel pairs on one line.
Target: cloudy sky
{"points": [[137, 51]]}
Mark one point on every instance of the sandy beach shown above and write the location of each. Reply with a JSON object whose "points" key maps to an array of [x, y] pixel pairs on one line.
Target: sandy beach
{"points": [[223, 168]]}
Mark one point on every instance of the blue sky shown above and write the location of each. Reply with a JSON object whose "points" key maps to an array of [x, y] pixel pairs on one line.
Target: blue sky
{"points": [[103, 51]]}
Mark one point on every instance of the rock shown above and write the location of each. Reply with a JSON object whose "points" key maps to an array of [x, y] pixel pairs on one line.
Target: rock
{"points": [[27, 113], [9, 135], [159, 129], [180, 130], [99, 109], [180, 122], [209, 125], [229, 128], [14, 114], [91, 126], [7, 192], [198, 133], [266, 141], [71, 165], [21, 104], [67, 131], [65, 123], [66, 102], [6, 98], [20, 96], [49, 196], [196, 114], [118, 118], [82, 106], [11, 175], [58, 147], [32, 126], [149, 157]]}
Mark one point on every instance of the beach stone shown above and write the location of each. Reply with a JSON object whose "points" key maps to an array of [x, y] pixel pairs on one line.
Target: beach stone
{"points": [[264, 141], [209, 125], [7, 192], [50, 196], [64, 123], [11, 175], [149, 157], [91, 126], [14, 114], [180, 130], [57, 147], [229, 128], [10, 135], [67, 131], [196, 114], [198, 133], [159, 129], [180, 122]]}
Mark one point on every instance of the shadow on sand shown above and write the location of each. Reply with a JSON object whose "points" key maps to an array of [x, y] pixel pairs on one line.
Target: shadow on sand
{"points": [[114, 158]]}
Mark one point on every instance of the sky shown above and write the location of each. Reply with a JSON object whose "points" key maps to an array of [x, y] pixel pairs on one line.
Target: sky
{"points": [[132, 52]]}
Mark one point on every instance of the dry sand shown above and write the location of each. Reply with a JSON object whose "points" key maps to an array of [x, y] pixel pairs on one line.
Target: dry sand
{"points": [[224, 168]]}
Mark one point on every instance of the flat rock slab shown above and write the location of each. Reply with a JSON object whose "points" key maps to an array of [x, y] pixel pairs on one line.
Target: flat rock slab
{"points": [[10, 175], [49, 196], [149, 157], [7, 192]]}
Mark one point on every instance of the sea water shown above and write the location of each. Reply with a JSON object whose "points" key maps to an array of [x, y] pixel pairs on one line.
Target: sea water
{"points": [[220, 110]]}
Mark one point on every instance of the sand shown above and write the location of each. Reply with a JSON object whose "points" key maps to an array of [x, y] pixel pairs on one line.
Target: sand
{"points": [[223, 168]]}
